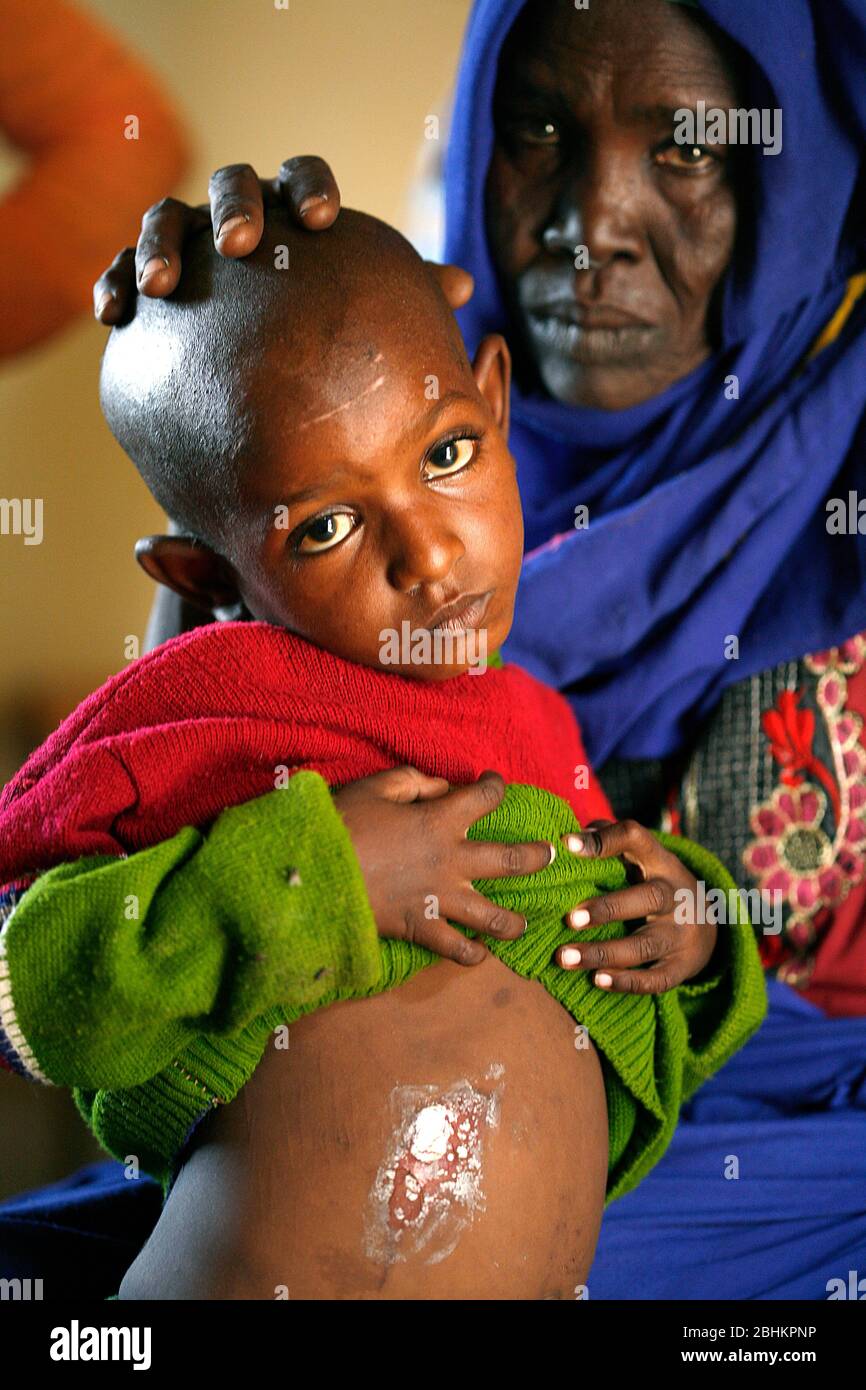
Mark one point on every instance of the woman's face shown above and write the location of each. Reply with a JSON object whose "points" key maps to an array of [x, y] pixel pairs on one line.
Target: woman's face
{"points": [[584, 156]]}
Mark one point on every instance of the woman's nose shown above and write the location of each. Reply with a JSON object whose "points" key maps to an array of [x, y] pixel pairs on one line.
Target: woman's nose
{"points": [[422, 553], [596, 208], [565, 231]]}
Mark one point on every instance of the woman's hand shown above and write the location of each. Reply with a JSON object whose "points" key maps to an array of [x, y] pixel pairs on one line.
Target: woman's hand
{"points": [[236, 211], [673, 950], [409, 833]]}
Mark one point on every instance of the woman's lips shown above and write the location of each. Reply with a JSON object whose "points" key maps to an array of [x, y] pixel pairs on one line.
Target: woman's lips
{"points": [[604, 337], [469, 614], [587, 315], [590, 334]]}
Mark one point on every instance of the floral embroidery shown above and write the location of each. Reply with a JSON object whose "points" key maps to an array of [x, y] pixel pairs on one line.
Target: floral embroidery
{"points": [[810, 836]]}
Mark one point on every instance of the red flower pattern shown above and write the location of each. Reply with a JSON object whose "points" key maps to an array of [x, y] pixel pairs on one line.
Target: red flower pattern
{"points": [[791, 731], [795, 852]]}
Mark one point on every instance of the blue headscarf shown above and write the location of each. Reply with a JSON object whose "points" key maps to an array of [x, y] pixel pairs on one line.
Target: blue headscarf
{"points": [[706, 514]]}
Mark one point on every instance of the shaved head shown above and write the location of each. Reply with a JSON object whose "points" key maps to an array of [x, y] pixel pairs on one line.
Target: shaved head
{"points": [[303, 325]]}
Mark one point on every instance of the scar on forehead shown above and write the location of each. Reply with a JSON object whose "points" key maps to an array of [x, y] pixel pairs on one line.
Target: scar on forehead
{"points": [[347, 405]]}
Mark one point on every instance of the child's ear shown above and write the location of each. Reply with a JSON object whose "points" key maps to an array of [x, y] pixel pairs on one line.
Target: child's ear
{"points": [[492, 371], [189, 567]]}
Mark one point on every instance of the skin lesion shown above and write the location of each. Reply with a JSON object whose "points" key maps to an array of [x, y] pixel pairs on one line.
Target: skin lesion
{"points": [[429, 1187]]}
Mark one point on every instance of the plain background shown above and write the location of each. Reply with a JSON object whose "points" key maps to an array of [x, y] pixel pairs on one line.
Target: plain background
{"points": [[352, 80]]}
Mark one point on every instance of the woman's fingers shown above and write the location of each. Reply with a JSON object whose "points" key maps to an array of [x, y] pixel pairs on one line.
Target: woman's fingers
{"points": [[236, 209], [657, 980], [616, 962], [626, 840], [642, 947], [607, 839], [114, 291], [308, 188], [651, 898], [164, 227], [456, 284]]}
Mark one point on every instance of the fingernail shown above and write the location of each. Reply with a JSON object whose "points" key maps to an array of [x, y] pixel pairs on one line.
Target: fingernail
{"points": [[552, 855], [153, 265], [236, 220], [312, 202], [603, 979], [574, 843], [525, 926], [578, 918], [570, 955], [105, 299]]}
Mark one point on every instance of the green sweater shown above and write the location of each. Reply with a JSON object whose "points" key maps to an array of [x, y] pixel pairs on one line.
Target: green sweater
{"points": [[150, 984]]}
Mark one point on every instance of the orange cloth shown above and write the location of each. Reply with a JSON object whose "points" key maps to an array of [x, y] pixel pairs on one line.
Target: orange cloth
{"points": [[66, 88]]}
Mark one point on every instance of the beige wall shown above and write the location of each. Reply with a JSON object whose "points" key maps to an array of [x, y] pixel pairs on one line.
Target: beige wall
{"points": [[349, 79]]}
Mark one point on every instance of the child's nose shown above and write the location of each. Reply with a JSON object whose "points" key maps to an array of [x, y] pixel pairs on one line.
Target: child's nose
{"points": [[423, 552]]}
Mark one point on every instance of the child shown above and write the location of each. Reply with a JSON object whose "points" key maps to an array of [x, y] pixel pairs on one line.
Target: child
{"points": [[310, 417]]}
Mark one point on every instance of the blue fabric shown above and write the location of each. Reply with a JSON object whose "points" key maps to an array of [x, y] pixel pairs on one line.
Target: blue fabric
{"points": [[791, 1105], [707, 515], [81, 1234]]}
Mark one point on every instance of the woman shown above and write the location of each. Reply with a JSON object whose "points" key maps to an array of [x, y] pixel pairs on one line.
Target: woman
{"points": [[689, 326]]}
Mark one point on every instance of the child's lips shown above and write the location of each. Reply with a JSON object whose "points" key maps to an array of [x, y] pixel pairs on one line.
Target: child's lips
{"points": [[465, 612]]}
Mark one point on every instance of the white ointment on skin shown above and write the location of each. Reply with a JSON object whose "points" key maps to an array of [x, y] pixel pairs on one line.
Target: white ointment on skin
{"points": [[429, 1186]]}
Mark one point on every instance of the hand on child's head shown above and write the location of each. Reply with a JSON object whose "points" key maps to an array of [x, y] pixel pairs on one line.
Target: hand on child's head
{"points": [[311, 415]]}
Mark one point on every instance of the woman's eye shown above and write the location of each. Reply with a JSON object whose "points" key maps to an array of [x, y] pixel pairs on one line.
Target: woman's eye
{"points": [[451, 456], [685, 156], [527, 127], [326, 531], [535, 130]]}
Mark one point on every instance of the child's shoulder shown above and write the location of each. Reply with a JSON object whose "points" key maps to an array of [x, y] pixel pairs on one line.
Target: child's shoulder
{"points": [[186, 672], [165, 675]]}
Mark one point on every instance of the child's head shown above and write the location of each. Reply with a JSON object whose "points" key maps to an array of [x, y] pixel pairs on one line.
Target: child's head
{"points": [[309, 417]]}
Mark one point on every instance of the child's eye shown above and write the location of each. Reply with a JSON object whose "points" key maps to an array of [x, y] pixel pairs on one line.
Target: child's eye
{"points": [[326, 531], [450, 456]]}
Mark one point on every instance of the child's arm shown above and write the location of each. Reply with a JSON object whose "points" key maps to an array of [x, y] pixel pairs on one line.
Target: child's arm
{"points": [[109, 967]]}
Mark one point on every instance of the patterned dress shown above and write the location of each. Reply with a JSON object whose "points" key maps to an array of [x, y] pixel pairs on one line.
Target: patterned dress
{"points": [[775, 786]]}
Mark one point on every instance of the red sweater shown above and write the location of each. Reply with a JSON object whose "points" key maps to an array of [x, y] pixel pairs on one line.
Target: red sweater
{"points": [[215, 717]]}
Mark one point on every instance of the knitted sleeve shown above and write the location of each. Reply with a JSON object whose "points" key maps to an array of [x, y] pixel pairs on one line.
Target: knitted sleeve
{"points": [[110, 967], [727, 1000]]}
